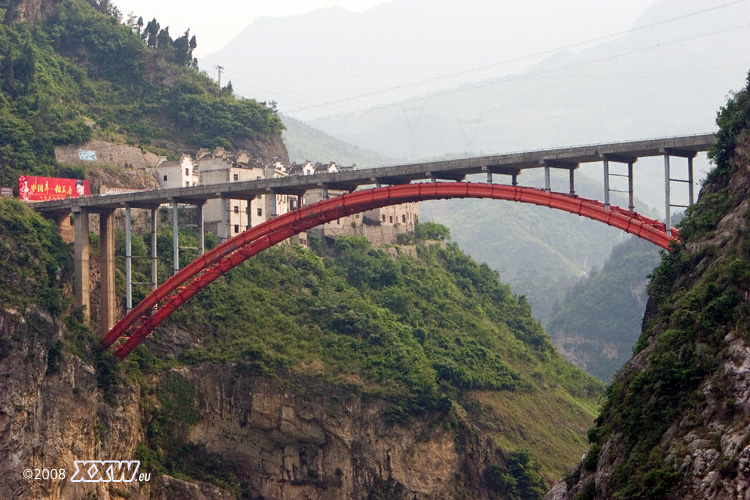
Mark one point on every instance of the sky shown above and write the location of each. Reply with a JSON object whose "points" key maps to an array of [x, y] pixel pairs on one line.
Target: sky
{"points": [[217, 22]]}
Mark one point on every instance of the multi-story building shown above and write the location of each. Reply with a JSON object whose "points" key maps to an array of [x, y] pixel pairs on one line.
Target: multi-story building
{"points": [[241, 214], [380, 226], [171, 174]]}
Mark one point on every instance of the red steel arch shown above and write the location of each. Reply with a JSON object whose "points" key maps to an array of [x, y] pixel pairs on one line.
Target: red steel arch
{"points": [[178, 289]]}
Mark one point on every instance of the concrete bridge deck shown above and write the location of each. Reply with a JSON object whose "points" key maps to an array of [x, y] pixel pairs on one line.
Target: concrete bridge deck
{"points": [[505, 164]]}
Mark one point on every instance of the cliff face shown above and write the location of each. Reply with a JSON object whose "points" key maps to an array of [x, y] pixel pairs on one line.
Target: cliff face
{"points": [[51, 412], [290, 446], [266, 147], [277, 443], [33, 10], [675, 424]]}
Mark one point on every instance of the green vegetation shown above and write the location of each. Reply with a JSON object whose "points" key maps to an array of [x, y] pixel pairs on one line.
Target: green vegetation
{"points": [[423, 335], [733, 120], [399, 326], [697, 302], [519, 480], [607, 308], [541, 253], [81, 74], [36, 262]]}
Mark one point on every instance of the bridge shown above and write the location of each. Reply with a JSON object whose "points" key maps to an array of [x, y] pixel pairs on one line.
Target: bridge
{"points": [[392, 185]]}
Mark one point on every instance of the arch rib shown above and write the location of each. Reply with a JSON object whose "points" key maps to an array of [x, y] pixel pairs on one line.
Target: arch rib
{"points": [[179, 288]]}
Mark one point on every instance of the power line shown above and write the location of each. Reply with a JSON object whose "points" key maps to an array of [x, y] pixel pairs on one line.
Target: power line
{"points": [[531, 75], [514, 60]]}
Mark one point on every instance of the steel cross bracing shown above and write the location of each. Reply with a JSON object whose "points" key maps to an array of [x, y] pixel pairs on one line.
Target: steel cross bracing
{"points": [[178, 289]]}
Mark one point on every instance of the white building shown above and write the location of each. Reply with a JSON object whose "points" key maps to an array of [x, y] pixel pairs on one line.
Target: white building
{"points": [[171, 174], [221, 167]]}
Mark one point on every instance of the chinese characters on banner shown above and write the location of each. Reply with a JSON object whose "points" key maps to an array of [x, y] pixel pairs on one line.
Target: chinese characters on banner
{"points": [[31, 188]]}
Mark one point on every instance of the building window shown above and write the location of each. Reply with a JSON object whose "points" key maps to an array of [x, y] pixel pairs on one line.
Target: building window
{"points": [[403, 218], [383, 218], [260, 212], [187, 172], [236, 177], [390, 219], [236, 209], [236, 228], [187, 183], [165, 177], [356, 216]]}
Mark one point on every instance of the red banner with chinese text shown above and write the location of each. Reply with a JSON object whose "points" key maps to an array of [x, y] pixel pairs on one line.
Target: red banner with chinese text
{"points": [[32, 188]]}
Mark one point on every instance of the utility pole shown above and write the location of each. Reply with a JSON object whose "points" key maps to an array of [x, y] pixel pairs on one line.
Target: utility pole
{"points": [[219, 68]]}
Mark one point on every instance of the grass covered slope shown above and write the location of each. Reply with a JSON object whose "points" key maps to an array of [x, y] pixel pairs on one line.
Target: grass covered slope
{"points": [[540, 252], [426, 334]]}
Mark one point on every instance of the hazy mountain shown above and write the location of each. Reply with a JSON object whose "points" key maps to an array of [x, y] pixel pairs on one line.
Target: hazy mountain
{"points": [[304, 143], [336, 55], [598, 343], [662, 79]]}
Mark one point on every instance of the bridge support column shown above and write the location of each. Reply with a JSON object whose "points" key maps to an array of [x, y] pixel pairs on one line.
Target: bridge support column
{"points": [[273, 205], [489, 177], [667, 194], [691, 198], [175, 239], [572, 174], [249, 213], [154, 277], [547, 179], [224, 221], [107, 263], [128, 263], [606, 183], [514, 180], [631, 197], [201, 228], [82, 270]]}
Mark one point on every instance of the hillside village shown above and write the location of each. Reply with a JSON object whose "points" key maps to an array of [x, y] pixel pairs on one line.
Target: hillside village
{"points": [[380, 226]]}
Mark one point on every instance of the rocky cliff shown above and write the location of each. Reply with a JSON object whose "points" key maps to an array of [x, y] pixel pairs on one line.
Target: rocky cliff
{"points": [[273, 442], [675, 423]]}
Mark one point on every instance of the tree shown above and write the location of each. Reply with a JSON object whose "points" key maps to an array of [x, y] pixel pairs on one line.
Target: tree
{"points": [[164, 41], [8, 73], [184, 49], [25, 67], [432, 231], [151, 33]]}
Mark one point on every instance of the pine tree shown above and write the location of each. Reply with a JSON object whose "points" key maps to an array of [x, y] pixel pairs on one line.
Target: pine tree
{"points": [[25, 67], [8, 72]]}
